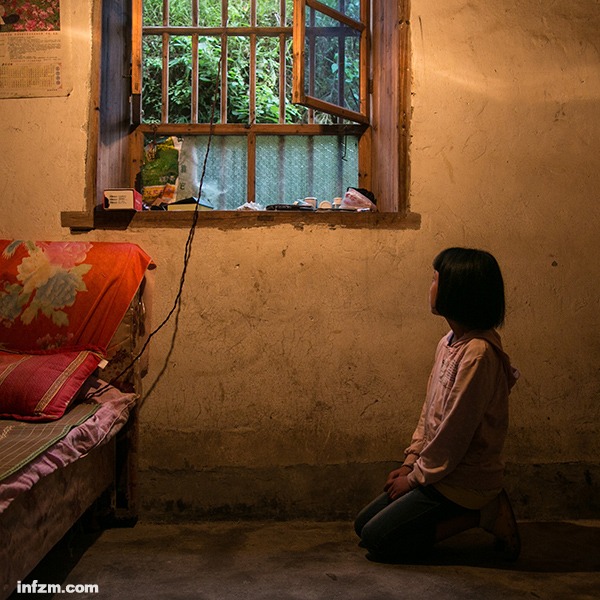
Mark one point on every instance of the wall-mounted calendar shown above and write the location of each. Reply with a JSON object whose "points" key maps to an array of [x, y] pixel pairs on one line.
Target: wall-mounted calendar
{"points": [[35, 56]]}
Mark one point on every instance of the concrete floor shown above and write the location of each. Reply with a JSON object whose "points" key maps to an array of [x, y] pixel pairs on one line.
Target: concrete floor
{"points": [[309, 560]]}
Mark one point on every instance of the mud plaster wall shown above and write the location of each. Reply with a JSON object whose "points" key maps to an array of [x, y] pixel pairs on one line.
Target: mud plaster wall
{"points": [[296, 372]]}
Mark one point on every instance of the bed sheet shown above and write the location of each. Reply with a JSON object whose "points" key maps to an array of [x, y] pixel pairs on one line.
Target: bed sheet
{"points": [[114, 411]]}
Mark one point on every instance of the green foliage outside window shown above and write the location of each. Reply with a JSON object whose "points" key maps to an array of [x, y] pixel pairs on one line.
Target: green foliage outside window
{"points": [[238, 61]]}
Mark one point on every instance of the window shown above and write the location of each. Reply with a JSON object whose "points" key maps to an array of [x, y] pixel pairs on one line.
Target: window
{"points": [[163, 63], [228, 63]]}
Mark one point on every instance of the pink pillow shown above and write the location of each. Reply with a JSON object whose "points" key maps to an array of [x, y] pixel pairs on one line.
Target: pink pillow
{"points": [[40, 387]]}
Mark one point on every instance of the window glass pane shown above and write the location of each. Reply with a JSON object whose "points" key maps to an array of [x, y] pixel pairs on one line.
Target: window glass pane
{"points": [[239, 13], [350, 77], [332, 62], [151, 80], [350, 8], [335, 165], [180, 79], [289, 168], [238, 80], [180, 13], [225, 181]]}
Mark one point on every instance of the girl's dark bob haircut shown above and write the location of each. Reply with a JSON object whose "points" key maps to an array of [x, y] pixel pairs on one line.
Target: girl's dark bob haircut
{"points": [[470, 288]]}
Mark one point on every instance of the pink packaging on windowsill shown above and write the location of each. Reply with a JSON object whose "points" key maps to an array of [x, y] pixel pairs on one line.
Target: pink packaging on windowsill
{"points": [[122, 199]]}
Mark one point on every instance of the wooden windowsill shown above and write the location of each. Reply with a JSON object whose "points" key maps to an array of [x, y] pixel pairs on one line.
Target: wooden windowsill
{"points": [[231, 219]]}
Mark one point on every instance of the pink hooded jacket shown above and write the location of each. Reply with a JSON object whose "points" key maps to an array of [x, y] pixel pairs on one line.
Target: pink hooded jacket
{"points": [[464, 420]]}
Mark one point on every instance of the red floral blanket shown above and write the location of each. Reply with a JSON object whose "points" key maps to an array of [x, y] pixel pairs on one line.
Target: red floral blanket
{"points": [[65, 294]]}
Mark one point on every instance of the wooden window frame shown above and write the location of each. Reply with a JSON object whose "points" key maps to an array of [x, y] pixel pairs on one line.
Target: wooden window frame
{"points": [[113, 130]]}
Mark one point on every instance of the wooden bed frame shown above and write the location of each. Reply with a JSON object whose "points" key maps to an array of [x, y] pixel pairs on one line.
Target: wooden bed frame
{"points": [[38, 519], [105, 478]]}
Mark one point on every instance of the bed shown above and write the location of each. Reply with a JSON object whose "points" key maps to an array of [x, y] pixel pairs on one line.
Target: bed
{"points": [[73, 319]]}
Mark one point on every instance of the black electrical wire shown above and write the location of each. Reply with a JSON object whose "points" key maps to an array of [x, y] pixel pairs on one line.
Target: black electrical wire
{"points": [[187, 251]]}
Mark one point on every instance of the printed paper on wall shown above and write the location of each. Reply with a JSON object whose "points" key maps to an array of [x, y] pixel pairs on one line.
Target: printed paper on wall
{"points": [[34, 49]]}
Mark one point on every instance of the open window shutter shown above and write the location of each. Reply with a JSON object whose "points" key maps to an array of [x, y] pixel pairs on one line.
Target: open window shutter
{"points": [[329, 47]]}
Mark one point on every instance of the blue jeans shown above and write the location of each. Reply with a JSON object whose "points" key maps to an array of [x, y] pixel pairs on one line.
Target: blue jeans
{"points": [[404, 528]]}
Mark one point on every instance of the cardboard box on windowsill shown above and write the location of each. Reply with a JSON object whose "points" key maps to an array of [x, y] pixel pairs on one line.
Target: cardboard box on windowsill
{"points": [[122, 199]]}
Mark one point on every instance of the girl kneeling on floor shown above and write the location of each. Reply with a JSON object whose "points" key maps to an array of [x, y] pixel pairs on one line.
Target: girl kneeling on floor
{"points": [[451, 478]]}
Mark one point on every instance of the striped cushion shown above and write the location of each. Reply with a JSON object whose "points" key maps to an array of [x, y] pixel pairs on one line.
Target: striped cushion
{"points": [[40, 387]]}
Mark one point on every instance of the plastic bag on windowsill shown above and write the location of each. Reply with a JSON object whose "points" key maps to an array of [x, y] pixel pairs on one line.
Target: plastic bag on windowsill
{"points": [[250, 206], [358, 199]]}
